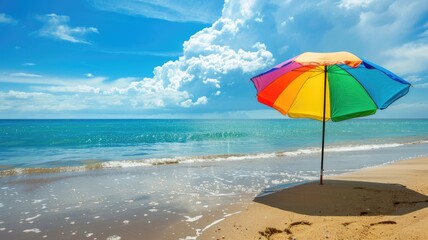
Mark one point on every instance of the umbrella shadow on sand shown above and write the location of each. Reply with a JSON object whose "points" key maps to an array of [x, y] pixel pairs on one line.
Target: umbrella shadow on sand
{"points": [[346, 198]]}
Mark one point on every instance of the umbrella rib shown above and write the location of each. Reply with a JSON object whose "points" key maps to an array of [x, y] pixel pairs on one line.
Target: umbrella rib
{"points": [[298, 70], [338, 73], [314, 70], [312, 76]]}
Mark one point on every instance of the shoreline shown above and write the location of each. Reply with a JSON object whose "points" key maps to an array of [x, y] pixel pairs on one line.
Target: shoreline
{"points": [[93, 164], [382, 202]]}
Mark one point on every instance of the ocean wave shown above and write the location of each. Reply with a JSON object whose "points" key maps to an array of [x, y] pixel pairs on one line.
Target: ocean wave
{"points": [[364, 147], [95, 165], [347, 148]]}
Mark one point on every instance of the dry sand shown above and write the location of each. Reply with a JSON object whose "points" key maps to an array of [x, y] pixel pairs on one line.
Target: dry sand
{"points": [[385, 202]]}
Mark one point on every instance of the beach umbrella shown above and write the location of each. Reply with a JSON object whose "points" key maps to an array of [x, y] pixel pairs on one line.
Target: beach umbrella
{"points": [[324, 86]]}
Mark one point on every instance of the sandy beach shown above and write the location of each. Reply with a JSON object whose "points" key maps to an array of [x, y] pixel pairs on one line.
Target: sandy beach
{"points": [[383, 202]]}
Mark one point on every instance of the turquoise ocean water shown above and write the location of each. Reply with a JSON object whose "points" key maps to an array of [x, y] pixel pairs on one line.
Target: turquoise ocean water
{"points": [[128, 143]]}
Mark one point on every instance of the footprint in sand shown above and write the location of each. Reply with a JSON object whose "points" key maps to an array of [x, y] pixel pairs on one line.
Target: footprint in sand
{"points": [[383, 222], [346, 223], [270, 231], [300, 223]]}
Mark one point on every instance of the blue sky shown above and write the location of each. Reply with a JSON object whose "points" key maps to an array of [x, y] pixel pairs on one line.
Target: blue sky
{"points": [[191, 58]]}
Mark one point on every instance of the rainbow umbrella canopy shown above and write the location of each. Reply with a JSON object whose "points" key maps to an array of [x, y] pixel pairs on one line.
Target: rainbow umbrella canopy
{"points": [[324, 86]]}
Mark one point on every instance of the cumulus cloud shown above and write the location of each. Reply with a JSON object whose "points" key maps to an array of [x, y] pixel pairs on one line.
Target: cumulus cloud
{"points": [[189, 102], [56, 26], [213, 81], [208, 56]]}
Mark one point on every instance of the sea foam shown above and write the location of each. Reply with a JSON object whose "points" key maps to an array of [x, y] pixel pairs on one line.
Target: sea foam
{"points": [[198, 159]]}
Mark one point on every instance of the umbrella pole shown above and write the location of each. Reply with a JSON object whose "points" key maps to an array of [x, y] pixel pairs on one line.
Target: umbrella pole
{"points": [[323, 125]]}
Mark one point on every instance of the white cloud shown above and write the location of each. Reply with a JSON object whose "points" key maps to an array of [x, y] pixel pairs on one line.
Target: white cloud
{"points": [[56, 26], [37, 101], [89, 75], [410, 58], [208, 54], [388, 25], [213, 81], [201, 100], [424, 34], [189, 102], [421, 85], [170, 10], [29, 64], [224, 59], [71, 89], [288, 20], [24, 95], [348, 4], [414, 78], [83, 85], [35, 79], [4, 18], [25, 75]]}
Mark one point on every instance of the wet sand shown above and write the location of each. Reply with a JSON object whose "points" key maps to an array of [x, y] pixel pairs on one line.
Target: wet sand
{"points": [[160, 202], [384, 202]]}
